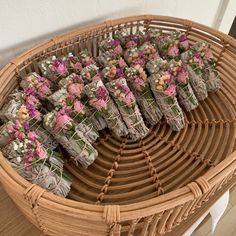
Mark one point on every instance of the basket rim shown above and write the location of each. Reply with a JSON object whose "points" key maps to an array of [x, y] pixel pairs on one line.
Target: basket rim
{"points": [[142, 208]]}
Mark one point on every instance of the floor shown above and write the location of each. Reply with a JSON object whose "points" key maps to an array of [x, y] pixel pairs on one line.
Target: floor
{"points": [[13, 223]]}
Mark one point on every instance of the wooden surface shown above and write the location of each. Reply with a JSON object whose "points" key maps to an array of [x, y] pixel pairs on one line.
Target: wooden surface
{"points": [[13, 223]]}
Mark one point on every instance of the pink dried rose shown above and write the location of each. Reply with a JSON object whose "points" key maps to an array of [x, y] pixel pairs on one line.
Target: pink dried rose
{"points": [[78, 66], [19, 135], [78, 79], [28, 161], [129, 98], [131, 44], [183, 42], [88, 61], [44, 91], [79, 107], [62, 120], [170, 90], [10, 130], [59, 66], [102, 93], [209, 55], [182, 76], [98, 103], [198, 59], [138, 83], [96, 77], [32, 100], [40, 151], [17, 124], [123, 88], [37, 115], [122, 62], [118, 50], [32, 136], [173, 51], [75, 89], [138, 61]]}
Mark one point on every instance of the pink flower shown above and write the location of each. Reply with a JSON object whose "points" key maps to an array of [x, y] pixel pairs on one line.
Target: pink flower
{"points": [[75, 89], [32, 136], [123, 88], [19, 135], [138, 61], [102, 93], [10, 130], [88, 61], [131, 44], [17, 124], [44, 91], [28, 161], [115, 43], [59, 66], [129, 98], [96, 77], [32, 100], [173, 51], [78, 79], [98, 103], [138, 83], [170, 90], [78, 66], [118, 50], [198, 59], [122, 62], [209, 55], [40, 151], [78, 106], [62, 119], [183, 42], [182, 76]]}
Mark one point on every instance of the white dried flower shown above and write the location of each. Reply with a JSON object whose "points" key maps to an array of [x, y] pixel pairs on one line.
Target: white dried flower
{"points": [[18, 159]]}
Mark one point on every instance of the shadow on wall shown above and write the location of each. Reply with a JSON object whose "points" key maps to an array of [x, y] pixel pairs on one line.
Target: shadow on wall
{"points": [[7, 54]]}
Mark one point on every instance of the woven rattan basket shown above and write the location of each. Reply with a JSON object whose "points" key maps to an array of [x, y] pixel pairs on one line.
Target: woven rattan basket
{"points": [[135, 188]]}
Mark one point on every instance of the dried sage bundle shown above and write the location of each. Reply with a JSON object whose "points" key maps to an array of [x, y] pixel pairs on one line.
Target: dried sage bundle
{"points": [[137, 81], [33, 161], [99, 99], [54, 68], [63, 128], [184, 90], [194, 65], [210, 74], [128, 107], [164, 90]]}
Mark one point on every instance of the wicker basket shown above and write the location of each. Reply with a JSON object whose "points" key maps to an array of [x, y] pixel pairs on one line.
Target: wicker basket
{"points": [[135, 188]]}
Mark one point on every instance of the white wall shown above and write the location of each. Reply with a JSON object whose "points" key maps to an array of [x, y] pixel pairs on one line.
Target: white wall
{"points": [[23, 23], [228, 17]]}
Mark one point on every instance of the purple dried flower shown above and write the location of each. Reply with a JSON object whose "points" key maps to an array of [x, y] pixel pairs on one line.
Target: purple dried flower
{"points": [[26, 125], [101, 93], [29, 91], [59, 66], [120, 73], [183, 37], [115, 42]]}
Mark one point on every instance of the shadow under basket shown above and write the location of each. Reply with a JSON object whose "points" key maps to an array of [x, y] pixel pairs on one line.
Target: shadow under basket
{"points": [[135, 188]]}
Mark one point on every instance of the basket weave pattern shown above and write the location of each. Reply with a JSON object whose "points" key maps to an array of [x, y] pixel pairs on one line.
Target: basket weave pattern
{"points": [[135, 188]]}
